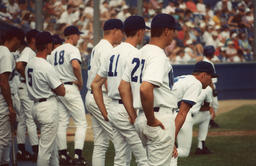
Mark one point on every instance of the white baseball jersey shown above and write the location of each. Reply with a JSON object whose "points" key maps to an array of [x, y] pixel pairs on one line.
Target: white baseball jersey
{"points": [[114, 67], [205, 96], [101, 50], [61, 58], [7, 63], [151, 65], [26, 54], [214, 80], [41, 78], [187, 89]]}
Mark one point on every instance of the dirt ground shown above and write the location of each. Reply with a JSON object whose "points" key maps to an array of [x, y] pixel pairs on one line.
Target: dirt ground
{"points": [[224, 106]]}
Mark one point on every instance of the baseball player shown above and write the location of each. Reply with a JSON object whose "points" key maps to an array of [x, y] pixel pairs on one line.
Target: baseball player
{"points": [[102, 129], [208, 55], [125, 136], [25, 119], [43, 84], [187, 89], [147, 77], [12, 42], [66, 60]]}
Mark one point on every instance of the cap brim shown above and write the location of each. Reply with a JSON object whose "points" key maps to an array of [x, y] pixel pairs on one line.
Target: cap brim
{"points": [[214, 75], [80, 33]]}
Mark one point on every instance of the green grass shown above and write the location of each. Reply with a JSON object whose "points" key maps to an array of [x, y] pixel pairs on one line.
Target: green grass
{"points": [[227, 150]]}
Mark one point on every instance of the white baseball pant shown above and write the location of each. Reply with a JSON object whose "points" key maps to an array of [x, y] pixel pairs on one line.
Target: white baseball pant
{"points": [[184, 138], [46, 115], [157, 141], [71, 105], [25, 119], [5, 131], [125, 137], [102, 130]]}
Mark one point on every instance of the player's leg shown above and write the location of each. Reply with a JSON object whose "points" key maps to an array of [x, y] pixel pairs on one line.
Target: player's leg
{"points": [[5, 131], [102, 130], [62, 134], [160, 142], [184, 140], [125, 136], [215, 105], [75, 106], [30, 123], [203, 119], [47, 117]]}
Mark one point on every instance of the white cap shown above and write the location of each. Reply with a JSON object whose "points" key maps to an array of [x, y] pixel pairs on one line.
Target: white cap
{"points": [[190, 24], [234, 35]]}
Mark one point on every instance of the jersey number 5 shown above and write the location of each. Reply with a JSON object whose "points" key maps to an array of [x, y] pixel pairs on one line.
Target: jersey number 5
{"points": [[59, 59], [29, 72], [138, 63]]}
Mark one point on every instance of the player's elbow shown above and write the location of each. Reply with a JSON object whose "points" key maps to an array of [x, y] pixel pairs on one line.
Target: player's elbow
{"points": [[60, 90]]}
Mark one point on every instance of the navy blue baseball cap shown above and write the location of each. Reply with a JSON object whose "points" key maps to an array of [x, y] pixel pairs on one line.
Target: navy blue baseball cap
{"points": [[71, 30], [134, 23], [113, 24], [43, 38], [203, 66], [209, 50], [57, 40], [165, 21]]}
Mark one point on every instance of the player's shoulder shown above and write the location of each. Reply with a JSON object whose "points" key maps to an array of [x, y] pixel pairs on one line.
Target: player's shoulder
{"points": [[28, 50], [4, 51]]}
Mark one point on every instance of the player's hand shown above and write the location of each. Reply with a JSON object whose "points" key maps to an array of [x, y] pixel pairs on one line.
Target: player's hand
{"points": [[79, 85], [175, 152], [132, 119], [12, 115], [212, 112], [155, 123], [106, 117]]}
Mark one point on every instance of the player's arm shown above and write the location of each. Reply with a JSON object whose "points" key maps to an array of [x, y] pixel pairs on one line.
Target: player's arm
{"points": [[126, 96], [205, 107], [181, 116], [147, 100], [98, 95], [60, 90], [20, 67], [6, 92], [77, 72]]}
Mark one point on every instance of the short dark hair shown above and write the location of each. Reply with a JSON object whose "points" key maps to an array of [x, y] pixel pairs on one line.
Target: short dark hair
{"points": [[41, 47], [14, 33], [156, 32], [30, 35], [131, 33]]}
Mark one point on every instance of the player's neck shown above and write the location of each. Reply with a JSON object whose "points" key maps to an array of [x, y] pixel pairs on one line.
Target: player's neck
{"points": [[109, 38], [32, 46], [9, 45], [69, 41], [41, 54], [132, 40], [158, 42]]}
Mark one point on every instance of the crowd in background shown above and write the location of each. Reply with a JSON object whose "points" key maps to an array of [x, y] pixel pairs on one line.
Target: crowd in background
{"points": [[228, 25]]}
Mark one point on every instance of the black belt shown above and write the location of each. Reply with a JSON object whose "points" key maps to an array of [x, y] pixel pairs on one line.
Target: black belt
{"points": [[156, 109], [68, 83], [120, 102], [23, 81], [41, 100]]}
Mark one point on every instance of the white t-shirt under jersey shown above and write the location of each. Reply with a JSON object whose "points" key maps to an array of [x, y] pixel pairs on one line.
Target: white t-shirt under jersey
{"points": [[61, 58], [151, 65], [41, 78], [114, 67], [99, 52], [187, 88]]}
